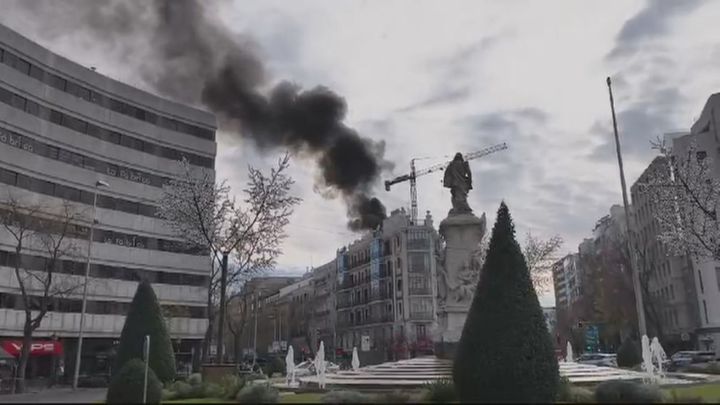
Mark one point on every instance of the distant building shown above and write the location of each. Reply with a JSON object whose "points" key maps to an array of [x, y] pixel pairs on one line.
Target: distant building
{"points": [[386, 290], [550, 319], [705, 273], [257, 318], [669, 296], [378, 295], [566, 280]]}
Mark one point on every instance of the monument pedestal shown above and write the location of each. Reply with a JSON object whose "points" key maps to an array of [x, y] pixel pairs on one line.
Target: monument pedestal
{"points": [[462, 234]]}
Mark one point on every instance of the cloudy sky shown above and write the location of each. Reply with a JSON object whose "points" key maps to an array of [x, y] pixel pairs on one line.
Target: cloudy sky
{"points": [[431, 78]]}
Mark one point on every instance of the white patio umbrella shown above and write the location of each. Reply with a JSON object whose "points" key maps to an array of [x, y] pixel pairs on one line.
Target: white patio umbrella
{"points": [[320, 365], [355, 359], [290, 366]]}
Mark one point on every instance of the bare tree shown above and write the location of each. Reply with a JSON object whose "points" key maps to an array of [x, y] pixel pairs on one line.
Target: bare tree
{"points": [[202, 212], [40, 230], [540, 255], [685, 196]]}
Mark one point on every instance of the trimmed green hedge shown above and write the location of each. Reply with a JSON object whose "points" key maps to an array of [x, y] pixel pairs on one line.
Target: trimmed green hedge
{"points": [[127, 385], [506, 353], [145, 318]]}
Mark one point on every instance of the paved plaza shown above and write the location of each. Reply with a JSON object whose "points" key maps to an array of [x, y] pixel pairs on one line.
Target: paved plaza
{"points": [[58, 396]]}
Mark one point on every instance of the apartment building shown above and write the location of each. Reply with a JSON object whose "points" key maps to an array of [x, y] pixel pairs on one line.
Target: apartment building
{"points": [[566, 280], [705, 134], [378, 295], [386, 290], [257, 318], [669, 294], [63, 128]]}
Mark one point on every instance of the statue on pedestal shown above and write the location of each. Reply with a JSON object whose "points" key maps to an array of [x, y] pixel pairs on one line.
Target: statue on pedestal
{"points": [[459, 260], [458, 179]]}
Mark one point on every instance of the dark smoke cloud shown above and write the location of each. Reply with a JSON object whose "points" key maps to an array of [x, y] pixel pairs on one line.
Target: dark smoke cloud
{"points": [[194, 58]]}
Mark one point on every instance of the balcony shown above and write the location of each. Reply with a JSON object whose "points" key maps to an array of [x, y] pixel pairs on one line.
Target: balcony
{"points": [[421, 316], [384, 318], [420, 291]]}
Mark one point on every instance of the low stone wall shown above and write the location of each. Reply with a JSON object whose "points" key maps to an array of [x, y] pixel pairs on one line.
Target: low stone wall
{"points": [[215, 372], [445, 350]]}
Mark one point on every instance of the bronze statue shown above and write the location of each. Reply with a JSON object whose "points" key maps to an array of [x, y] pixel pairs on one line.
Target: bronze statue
{"points": [[459, 180]]}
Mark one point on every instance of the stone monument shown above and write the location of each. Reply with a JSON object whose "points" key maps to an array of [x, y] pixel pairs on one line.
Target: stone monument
{"points": [[459, 261]]}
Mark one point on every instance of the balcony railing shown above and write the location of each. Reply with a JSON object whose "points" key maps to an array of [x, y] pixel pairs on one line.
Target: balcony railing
{"points": [[371, 320], [421, 316], [420, 291]]}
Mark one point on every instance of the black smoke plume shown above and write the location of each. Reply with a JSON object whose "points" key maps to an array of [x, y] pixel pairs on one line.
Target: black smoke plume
{"points": [[194, 58]]}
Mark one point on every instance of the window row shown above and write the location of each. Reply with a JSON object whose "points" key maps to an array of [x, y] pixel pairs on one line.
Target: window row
{"points": [[20, 180], [55, 304], [94, 97], [100, 235], [40, 263], [28, 144], [104, 134]]}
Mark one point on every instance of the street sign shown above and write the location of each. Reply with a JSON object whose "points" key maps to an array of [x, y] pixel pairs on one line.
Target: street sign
{"points": [[365, 343], [592, 338]]}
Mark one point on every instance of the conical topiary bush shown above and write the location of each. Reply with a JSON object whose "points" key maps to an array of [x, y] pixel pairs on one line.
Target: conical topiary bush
{"points": [[505, 353], [145, 318]]}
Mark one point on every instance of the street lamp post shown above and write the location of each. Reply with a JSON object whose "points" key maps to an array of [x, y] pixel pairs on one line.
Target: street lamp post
{"points": [[640, 308], [76, 375]]}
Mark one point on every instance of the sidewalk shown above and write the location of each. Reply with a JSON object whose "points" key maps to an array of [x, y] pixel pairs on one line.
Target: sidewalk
{"points": [[58, 396]]}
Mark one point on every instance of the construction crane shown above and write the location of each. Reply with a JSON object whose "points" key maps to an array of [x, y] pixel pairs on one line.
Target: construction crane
{"points": [[414, 174]]}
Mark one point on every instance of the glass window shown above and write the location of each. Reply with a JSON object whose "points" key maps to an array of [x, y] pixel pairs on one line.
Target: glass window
{"points": [[9, 58], [56, 117], [71, 88], [84, 93], [98, 98], [32, 108], [57, 81], [18, 102], [8, 177], [5, 96], [37, 73], [112, 137], [75, 124], [23, 66]]}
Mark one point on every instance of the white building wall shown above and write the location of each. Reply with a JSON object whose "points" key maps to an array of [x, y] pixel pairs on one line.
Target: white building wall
{"points": [[706, 136], [83, 178]]}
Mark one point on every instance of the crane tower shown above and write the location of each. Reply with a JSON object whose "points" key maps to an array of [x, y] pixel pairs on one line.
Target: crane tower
{"points": [[414, 174]]}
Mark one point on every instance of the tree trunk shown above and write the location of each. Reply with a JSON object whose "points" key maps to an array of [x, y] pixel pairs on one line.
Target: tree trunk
{"points": [[236, 347], [209, 331], [221, 321], [24, 357]]}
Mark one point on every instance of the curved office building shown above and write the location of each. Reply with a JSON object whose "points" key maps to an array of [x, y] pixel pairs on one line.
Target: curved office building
{"points": [[64, 127]]}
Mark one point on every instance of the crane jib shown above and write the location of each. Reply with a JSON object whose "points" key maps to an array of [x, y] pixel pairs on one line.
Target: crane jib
{"points": [[414, 174]]}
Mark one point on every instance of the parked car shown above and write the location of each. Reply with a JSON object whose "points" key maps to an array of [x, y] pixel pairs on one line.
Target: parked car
{"points": [[307, 368], [686, 357], [598, 359]]}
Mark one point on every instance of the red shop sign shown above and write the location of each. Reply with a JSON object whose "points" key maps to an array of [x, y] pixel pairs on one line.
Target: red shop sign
{"points": [[37, 348]]}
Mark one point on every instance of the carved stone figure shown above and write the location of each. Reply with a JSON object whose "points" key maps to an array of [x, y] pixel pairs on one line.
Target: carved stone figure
{"points": [[459, 287], [458, 179]]}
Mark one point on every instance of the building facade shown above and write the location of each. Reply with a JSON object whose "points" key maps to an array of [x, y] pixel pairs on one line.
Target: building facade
{"points": [[669, 291], [377, 294], [566, 280], [386, 294], [63, 128], [705, 135]]}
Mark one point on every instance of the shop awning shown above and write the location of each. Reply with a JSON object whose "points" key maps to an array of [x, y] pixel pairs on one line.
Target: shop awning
{"points": [[4, 355], [37, 348]]}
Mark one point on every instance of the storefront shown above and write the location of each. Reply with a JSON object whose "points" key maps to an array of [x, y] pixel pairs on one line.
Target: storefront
{"points": [[46, 356]]}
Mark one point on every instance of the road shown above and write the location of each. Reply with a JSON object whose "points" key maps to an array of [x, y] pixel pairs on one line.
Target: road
{"points": [[58, 396]]}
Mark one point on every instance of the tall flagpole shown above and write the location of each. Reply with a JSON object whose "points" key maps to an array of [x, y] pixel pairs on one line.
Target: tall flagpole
{"points": [[639, 307]]}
